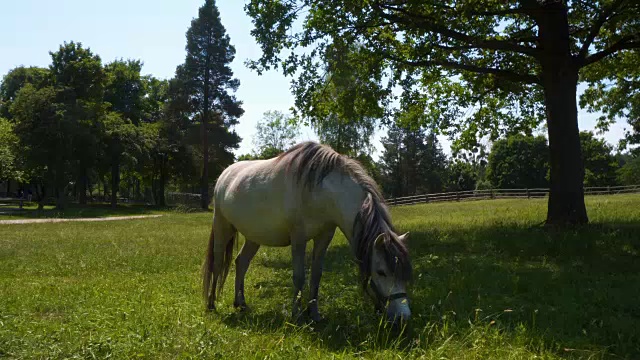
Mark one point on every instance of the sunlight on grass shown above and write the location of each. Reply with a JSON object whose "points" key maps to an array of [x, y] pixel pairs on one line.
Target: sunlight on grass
{"points": [[490, 282]]}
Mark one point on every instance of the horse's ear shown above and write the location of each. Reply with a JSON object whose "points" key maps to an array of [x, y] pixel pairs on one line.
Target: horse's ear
{"points": [[403, 238], [379, 243]]}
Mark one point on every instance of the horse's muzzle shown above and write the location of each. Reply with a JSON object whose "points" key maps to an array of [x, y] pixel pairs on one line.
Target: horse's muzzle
{"points": [[398, 311]]}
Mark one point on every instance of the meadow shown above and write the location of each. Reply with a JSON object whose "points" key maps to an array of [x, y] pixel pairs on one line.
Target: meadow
{"points": [[490, 282]]}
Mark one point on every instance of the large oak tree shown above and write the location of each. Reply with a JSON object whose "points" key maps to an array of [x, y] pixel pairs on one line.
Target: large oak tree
{"points": [[472, 68]]}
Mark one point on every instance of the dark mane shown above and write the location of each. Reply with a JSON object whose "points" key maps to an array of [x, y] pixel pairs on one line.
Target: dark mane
{"points": [[311, 162]]}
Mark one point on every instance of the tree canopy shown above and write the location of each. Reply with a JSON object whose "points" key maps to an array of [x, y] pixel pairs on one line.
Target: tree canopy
{"points": [[469, 68]]}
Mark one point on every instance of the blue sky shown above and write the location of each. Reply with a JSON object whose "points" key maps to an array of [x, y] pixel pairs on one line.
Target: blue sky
{"points": [[154, 32]]}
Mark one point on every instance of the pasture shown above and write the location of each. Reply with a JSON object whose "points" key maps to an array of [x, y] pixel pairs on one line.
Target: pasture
{"points": [[490, 282]]}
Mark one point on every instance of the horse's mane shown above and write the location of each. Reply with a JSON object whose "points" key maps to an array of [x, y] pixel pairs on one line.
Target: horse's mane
{"points": [[311, 162]]}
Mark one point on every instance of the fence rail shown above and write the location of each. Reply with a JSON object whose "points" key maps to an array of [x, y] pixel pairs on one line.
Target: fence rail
{"points": [[502, 194]]}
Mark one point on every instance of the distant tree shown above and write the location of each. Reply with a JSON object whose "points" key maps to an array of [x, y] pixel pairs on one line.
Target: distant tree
{"points": [[599, 162], [46, 138], [519, 162], [412, 162], [79, 82], [125, 90], [208, 79], [125, 93], [15, 79], [462, 176], [629, 174], [275, 133], [8, 149]]}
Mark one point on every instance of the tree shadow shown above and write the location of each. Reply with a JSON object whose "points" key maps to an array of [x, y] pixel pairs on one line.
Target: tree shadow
{"points": [[569, 289]]}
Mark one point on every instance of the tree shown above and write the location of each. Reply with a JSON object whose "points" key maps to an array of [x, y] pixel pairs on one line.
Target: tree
{"points": [[208, 79], [124, 89], [344, 108], [412, 162], [15, 80], [124, 92], [614, 89], [462, 176], [79, 82], [629, 174], [512, 64], [599, 162], [45, 137], [519, 162], [8, 147], [275, 133]]}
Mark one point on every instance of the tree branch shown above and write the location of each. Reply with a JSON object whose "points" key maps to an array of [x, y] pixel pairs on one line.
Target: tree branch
{"points": [[595, 29], [505, 74], [475, 42], [623, 44]]}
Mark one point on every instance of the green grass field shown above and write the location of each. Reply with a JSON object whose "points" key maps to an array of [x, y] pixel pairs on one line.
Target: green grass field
{"points": [[490, 282]]}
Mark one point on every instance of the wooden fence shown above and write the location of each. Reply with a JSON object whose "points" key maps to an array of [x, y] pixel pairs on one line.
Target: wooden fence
{"points": [[502, 194]]}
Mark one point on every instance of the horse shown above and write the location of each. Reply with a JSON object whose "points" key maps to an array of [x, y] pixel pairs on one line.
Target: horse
{"points": [[306, 193]]}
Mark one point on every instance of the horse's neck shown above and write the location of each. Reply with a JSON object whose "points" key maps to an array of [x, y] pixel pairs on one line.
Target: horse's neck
{"points": [[348, 198]]}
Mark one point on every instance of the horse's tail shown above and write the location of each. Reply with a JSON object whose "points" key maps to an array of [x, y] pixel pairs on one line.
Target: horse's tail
{"points": [[214, 275]]}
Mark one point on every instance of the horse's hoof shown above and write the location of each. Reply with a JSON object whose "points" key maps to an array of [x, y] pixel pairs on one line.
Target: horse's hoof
{"points": [[316, 318], [242, 307]]}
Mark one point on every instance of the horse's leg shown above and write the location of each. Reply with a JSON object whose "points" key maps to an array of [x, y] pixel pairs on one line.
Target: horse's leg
{"points": [[298, 248], [320, 245], [248, 251], [217, 262]]}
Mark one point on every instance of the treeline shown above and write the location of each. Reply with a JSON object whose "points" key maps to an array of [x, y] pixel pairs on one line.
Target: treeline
{"points": [[81, 128], [413, 161]]}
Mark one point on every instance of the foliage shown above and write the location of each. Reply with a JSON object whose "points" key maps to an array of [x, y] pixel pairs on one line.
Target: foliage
{"points": [[124, 89], [489, 284], [275, 133], [519, 162], [462, 176], [8, 149], [614, 90], [15, 79], [412, 162], [471, 69], [629, 174], [599, 161]]}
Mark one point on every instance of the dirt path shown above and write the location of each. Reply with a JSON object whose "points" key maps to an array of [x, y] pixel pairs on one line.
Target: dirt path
{"points": [[112, 218]]}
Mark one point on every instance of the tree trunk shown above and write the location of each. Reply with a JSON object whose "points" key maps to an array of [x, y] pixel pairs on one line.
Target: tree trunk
{"points": [[82, 187], [115, 182], [162, 181], [560, 79], [204, 183]]}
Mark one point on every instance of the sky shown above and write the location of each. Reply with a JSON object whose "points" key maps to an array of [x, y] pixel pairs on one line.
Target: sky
{"points": [[154, 32]]}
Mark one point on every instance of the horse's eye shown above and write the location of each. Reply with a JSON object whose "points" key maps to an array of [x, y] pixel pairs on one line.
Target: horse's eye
{"points": [[381, 273]]}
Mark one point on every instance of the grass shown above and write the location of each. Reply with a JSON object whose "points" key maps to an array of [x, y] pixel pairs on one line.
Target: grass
{"points": [[489, 283]]}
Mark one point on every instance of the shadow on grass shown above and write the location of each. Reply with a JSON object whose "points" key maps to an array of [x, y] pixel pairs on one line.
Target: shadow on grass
{"points": [[571, 290]]}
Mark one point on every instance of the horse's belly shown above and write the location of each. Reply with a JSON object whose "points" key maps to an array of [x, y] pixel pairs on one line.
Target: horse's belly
{"points": [[260, 227]]}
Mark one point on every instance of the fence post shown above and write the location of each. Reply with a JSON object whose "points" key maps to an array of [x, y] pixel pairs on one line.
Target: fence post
{"points": [[609, 190], [528, 194], [426, 198], [457, 196], [491, 195]]}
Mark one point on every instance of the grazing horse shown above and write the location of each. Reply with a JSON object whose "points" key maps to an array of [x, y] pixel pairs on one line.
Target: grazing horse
{"points": [[303, 194]]}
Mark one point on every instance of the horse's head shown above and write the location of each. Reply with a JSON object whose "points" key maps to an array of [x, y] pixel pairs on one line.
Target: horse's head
{"points": [[390, 273]]}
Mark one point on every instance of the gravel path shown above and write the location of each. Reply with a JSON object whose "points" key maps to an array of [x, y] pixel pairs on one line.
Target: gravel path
{"points": [[112, 218]]}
